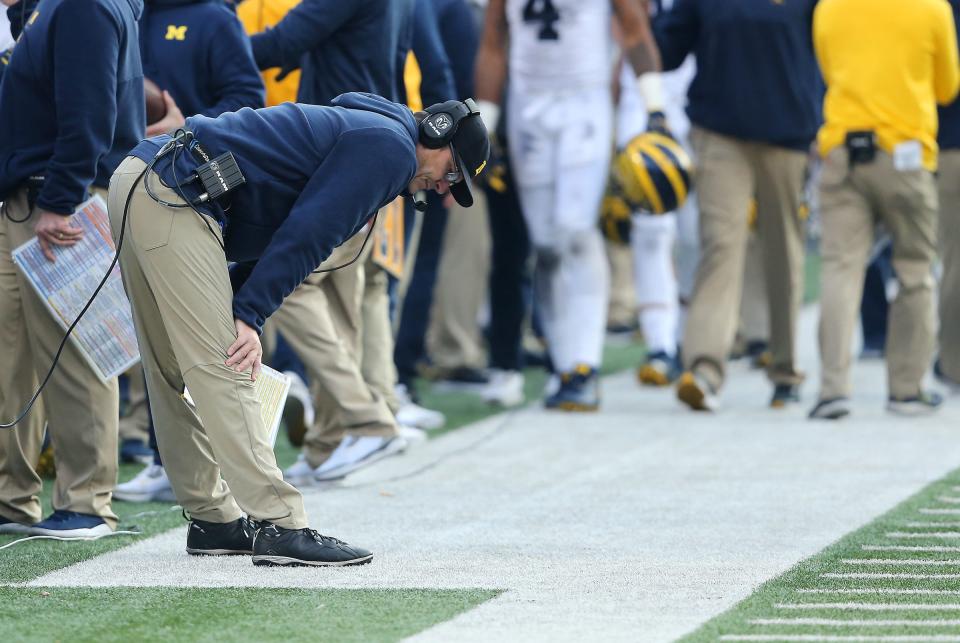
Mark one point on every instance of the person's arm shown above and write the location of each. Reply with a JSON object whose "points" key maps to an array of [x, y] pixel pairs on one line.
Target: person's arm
{"points": [[640, 50], [946, 63], [436, 84], [303, 29], [234, 77], [677, 32], [359, 174], [491, 67]]}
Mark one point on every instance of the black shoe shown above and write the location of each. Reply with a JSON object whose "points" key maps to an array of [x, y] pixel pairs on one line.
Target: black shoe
{"points": [[221, 539], [579, 391], [276, 546], [463, 379], [135, 451], [784, 394], [833, 408]]}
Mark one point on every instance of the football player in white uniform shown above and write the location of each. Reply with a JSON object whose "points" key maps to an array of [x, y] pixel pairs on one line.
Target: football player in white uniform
{"points": [[560, 126]]}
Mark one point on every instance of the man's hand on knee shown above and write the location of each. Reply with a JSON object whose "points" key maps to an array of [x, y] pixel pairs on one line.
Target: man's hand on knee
{"points": [[246, 351]]}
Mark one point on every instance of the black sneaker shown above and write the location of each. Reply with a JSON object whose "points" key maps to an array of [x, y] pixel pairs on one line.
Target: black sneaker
{"points": [[463, 379], [784, 394], [833, 408], [221, 539], [276, 546]]}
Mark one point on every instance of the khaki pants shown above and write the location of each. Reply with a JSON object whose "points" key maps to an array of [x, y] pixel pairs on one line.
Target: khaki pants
{"points": [[81, 410], [851, 204], [754, 309], [622, 310], [135, 425], [377, 365], [453, 338], [175, 275], [949, 237], [729, 173], [321, 322]]}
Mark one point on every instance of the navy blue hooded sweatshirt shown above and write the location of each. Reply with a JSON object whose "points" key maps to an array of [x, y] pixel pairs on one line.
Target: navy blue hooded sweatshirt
{"points": [[757, 78], [460, 34], [948, 135], [314, 176], [198, 51], [436, 84], [71, 100], [339, 45]]}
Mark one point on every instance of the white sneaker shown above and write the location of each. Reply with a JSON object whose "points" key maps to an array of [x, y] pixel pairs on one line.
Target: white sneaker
{"points": [[300, 473], [412, 434], [505, 388], [412, 414], [151, 484], [356, 452]]}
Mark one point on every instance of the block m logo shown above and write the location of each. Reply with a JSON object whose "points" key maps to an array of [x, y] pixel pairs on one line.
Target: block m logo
{"points": [[176, 33]]}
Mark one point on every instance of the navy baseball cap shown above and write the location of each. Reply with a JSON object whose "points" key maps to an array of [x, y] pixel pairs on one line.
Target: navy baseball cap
{"points": [[471, 150]]}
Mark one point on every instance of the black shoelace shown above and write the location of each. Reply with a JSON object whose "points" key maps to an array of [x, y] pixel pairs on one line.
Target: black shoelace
{"points": [[320, 538]]}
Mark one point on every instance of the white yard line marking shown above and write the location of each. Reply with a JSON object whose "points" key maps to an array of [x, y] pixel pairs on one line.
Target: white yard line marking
{"points": [[917, 548], [923, 534], [879, 575], [932, 511], [839, 622], [880, 590], [872, 607], [826, 638], [901, 562], [950, 500], [931, 523]]}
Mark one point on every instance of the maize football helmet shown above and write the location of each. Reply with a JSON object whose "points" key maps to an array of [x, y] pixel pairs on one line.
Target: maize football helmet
{"points": [[653, 173]]}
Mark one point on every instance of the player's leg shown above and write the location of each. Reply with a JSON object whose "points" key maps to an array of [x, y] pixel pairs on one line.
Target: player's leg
{"points": [[651, 240], [581, 285], [949, 238]]}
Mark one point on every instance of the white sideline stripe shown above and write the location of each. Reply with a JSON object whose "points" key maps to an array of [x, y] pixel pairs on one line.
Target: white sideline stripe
{"points": [[879, 590], [818, 638], [879, 575], [931, 511], [901, 562], [950, 500], [918, 548], [839, 622], [872, 607], [923, 534], [933, 523]]}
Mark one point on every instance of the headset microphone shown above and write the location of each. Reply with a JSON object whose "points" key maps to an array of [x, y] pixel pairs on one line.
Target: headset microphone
{"points": [[420, 200]]}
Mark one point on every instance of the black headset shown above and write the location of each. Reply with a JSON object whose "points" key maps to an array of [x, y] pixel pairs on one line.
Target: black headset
{"points": [[440, 126]]}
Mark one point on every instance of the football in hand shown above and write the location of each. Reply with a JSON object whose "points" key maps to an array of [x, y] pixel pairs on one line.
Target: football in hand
{"points": [[153, 96]]}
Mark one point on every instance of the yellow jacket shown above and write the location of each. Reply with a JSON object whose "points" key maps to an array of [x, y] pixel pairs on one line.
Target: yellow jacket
{"points": [[887, 63], [256, 16]]}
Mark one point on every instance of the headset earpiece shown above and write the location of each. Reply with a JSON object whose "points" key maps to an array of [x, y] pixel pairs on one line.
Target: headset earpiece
{"points": [[440, 126]]}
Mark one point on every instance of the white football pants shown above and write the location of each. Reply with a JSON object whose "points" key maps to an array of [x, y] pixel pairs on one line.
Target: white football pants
{"points": [[560, 146]]}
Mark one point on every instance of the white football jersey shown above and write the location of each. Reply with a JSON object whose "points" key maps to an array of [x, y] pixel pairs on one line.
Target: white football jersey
{"points": [[560, 44]]}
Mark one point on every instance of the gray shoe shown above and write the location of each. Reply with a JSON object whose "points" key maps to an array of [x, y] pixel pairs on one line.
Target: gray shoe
{"points": [[924, 403], [833, 408]]}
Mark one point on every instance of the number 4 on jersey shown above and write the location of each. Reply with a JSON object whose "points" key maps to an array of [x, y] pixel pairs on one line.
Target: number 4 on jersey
{"points": [[546, 14]]}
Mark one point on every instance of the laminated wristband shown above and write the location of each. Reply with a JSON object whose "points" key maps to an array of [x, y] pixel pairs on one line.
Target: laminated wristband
{"points": [[651, 91], [490, 113]]}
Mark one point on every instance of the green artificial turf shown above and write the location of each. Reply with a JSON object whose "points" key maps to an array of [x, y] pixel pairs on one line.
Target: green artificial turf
{"points": [[39, 614], [762, 604]]}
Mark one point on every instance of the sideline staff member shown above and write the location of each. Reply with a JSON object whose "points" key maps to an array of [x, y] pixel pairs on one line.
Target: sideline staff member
{"points": [[314, 176], [879, 141], [71, 105]]}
